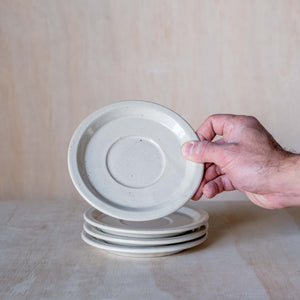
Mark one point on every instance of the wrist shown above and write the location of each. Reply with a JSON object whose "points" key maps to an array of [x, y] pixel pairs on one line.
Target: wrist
{"points": [[291, 172], [289, 178]]}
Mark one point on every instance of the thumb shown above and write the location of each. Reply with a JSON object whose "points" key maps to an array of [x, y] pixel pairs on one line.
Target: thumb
{"points": [[202, 152]]}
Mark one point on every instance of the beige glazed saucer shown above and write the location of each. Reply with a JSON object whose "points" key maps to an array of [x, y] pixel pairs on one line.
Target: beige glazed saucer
{"points": [[141, 251], [140, 241], [125, 160], [181, 221]]}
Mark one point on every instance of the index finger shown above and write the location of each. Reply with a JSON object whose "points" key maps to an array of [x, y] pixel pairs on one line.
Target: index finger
{"points": [[218, 124]]}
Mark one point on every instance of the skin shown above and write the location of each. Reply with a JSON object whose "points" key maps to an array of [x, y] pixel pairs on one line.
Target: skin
{"points": [[245, 158]]}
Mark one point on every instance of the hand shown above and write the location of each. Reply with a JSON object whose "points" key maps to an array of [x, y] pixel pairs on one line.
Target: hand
{"points": [[246, 158]]}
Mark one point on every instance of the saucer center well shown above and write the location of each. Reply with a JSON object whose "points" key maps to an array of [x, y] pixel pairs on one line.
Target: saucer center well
{"points": [[135, 162]]}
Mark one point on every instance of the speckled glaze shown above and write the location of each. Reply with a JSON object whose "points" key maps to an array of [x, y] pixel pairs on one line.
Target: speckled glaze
{"points": [[141, 251], [145, 241], [125, 160], [183, 220]]}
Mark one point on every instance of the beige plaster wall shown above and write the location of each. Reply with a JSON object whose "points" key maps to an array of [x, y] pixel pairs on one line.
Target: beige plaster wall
{"points": [[61, 60]]}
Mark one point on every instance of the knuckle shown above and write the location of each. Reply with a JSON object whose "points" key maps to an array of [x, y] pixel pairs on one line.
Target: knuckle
{"points": [[218, 170], [213, 116], [227, 117], [251, 120]]}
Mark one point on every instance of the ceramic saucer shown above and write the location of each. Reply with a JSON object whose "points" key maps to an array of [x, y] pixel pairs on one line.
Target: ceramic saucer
{"points": [[141, 251], [121, 240], [181, 221], [125, 160]]}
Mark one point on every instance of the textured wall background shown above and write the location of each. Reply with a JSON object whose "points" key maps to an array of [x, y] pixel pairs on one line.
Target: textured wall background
{"points": [[61, 60]]}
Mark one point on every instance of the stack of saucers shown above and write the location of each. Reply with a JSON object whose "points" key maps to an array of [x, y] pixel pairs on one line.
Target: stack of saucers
{"points": [[176, 232], [125, 161]]}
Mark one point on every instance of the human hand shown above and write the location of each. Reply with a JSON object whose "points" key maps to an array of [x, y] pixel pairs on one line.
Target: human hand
{"points": [[246, 158]]}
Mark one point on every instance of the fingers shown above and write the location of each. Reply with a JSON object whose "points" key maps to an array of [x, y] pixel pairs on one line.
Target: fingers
{"points": [[218, 185], [203, 152], [211, 173], [215, 125], [199, 191], [209, 152]]}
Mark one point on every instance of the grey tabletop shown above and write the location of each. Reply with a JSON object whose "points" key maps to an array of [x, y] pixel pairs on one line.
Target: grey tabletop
{"points": [[251, 253]]}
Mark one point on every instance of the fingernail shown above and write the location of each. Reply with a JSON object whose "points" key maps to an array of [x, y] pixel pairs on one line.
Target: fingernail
{"points": [[187, 148]]}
